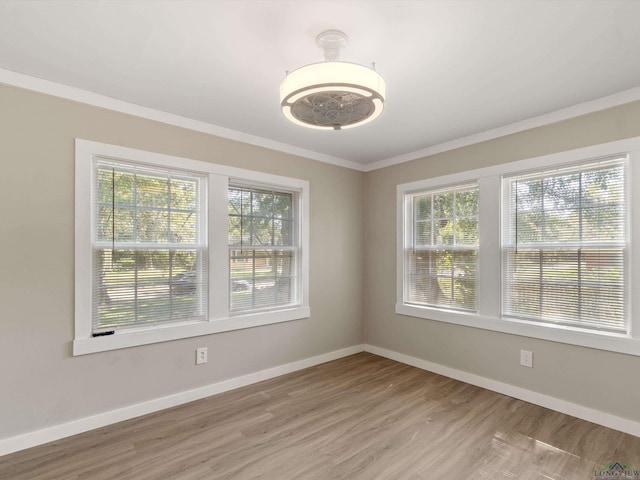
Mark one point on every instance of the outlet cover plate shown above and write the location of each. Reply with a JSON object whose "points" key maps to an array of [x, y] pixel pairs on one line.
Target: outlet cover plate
{"points": [[526, 358], [201, 355]]}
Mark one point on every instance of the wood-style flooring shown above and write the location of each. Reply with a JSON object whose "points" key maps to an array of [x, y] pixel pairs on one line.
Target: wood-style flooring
{"points": [[359, 418]]}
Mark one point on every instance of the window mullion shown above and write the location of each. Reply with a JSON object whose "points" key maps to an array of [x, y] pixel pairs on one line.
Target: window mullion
{"points": [[218, 242], [489, 241]]}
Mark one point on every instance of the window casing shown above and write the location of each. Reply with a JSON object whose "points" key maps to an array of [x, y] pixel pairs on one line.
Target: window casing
{"points": [[588, 267], [153, 256]]}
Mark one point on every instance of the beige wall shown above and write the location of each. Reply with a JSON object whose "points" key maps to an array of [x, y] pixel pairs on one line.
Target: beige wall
{"points": [[594, 378], [41, 383]]}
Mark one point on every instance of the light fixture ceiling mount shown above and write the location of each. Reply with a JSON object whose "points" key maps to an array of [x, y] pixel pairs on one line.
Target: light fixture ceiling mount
{"points": [[332, 95]]}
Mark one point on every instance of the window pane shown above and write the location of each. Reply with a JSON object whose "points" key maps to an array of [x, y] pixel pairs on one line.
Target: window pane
{"points": [[152, 191], [147, 287], [423, 232], [184, 194], [124, 187], [132, 205], [184, 227], [152, 225], [283, 232], [422, 207], [235, 230], [443, 278], [263, 204], [444, 232], [422, 282], [467, 202], [122, 225], [443, 205], [259, 217], [262, 231], [467, 231], [262, 278], [464, 279], [235, 202], [282, 207]]}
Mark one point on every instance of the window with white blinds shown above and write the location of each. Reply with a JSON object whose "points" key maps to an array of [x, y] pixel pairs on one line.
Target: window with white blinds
{"points": [[169, 248], [541, 247], [565, 245], [149, 246], [441, 251], [264, 248]]}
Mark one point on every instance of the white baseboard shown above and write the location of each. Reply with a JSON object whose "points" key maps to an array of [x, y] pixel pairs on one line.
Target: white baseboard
{"points": [[50, 434], [575, 410]]}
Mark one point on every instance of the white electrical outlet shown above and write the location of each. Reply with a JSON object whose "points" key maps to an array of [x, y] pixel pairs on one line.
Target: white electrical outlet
{"points": [[201, 355], [526, 358]]}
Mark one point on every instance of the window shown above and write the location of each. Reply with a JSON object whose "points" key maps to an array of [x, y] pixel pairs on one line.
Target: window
{"points": [[565, 246], [442, 248], [170, 248], [150, 256], [263, 248], [542, 247]]}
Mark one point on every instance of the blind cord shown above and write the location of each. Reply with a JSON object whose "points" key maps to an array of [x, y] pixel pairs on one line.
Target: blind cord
{"points": [[516, 226], [113, 214]]}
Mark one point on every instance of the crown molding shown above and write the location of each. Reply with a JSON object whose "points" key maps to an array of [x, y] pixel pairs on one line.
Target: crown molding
{"points": [[48, 87], [614, 100], [95, 99]]}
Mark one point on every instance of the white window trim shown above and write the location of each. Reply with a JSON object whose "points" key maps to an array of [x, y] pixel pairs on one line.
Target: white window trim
{"points": [[489, 315], [220, 319]]}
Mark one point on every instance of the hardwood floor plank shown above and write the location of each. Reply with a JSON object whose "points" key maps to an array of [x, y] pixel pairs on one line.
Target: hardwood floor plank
{"points": [[359, 418]]}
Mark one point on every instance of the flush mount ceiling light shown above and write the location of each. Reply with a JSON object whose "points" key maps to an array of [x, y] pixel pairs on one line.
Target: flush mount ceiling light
{"points": [[332, 95]]}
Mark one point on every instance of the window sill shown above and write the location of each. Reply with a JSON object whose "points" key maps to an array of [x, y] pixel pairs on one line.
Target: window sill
{"points": [[612, 342], [126, 339]]}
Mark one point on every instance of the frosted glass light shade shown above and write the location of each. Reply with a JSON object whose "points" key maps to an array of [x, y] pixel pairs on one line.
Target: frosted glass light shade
{"points": [[332, 95]]}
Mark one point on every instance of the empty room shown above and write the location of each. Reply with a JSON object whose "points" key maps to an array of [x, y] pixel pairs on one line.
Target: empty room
{"points": [[319, 240]]}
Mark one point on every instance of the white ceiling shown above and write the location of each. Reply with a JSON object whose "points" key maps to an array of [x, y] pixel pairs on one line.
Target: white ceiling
{"points": [[453, 68]]}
